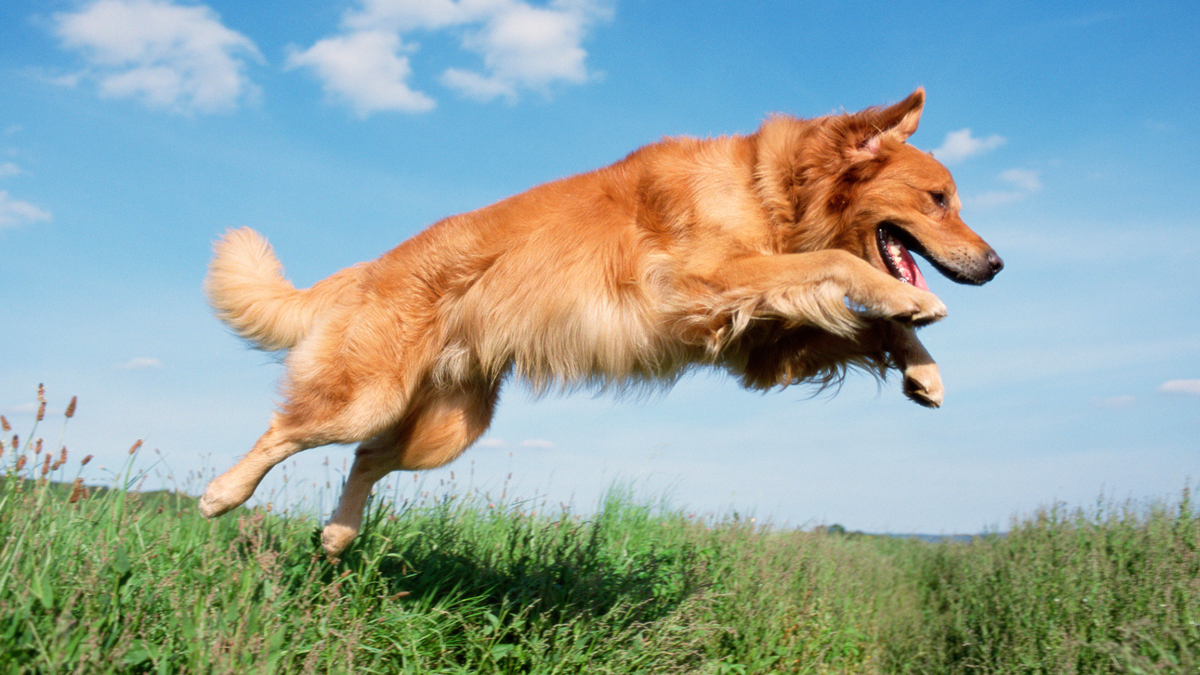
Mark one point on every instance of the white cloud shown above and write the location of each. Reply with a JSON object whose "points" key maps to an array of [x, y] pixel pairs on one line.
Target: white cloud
{"points": [[995, 198], [1025, 181], [15, 212], [960, 145], [9, 169], [405, 15], [525, 47], [366, 70], [530, 443], [1114, 402], [476, 86], [168, 56], [522, 47], [140, 363], [1188, 387], [30, 408]]}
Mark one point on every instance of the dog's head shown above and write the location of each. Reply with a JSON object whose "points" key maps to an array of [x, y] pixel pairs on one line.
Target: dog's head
{"points": [[853, 182]]}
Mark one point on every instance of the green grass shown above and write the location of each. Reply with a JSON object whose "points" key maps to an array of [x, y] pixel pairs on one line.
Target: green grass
{"points": [[118, 582]]}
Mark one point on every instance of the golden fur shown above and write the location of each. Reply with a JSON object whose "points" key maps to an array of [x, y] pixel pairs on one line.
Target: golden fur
{"points": [[764, 255]]}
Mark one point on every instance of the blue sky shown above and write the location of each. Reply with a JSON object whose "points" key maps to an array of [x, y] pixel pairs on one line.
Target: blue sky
{"points": [[134, 132]]}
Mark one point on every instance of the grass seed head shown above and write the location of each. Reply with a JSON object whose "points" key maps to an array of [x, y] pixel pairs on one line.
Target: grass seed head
{"points": [[4, 424], [78, 491], [71, 407], [41, 411], [46, 465], [135, 447], [20, 463]]}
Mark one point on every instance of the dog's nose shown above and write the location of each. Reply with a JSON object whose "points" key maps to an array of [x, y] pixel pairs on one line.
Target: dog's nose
{"points": [[994, 262]]}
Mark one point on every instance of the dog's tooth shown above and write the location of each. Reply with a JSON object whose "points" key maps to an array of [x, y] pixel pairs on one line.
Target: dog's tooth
{"points": [[896, 250]]}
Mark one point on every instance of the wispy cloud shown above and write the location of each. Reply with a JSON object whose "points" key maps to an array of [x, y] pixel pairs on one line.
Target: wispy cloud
{"points": [[140, 363], [522, 47], [1186, 387], [962, 144], [1114, 402], [10, 169], [1182, 387], [1025, 179], [529, 443], [1024, 182], [168, 56], [14, 212]]}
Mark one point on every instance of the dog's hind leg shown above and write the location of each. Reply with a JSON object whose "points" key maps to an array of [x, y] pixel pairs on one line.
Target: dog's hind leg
{"points": [[235, 486], [314, 415], [434, 433]]}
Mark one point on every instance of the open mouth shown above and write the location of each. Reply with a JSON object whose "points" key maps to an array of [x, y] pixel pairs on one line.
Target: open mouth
{"points": [[896, 257]]}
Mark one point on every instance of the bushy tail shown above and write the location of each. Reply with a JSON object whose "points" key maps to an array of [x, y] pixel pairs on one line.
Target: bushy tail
{"points": [[247, 290]]}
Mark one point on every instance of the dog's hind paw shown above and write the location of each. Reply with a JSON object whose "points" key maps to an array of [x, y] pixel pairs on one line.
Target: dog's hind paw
{"points": [[222, 497], [923, 385], [336, 537], [211, 508]]}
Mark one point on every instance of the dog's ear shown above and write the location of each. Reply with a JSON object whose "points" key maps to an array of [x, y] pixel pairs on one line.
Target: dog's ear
{"points": [[896, 122], [900, 120]]}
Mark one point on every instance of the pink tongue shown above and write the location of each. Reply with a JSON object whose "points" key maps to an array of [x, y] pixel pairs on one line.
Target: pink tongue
{"points": [[914, 272]]}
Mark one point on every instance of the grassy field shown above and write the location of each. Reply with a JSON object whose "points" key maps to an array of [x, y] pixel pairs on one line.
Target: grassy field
{"points": [[117, 582]]}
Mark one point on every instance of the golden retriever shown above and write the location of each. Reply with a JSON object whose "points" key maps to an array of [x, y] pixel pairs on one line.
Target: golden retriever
{"points": [[781, 257]]}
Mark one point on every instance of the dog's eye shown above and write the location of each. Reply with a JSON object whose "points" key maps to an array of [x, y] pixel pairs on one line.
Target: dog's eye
{"points": [[939, 198]]}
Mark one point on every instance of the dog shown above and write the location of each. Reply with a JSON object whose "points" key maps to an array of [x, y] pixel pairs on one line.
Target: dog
{"points": [[782, 257]]}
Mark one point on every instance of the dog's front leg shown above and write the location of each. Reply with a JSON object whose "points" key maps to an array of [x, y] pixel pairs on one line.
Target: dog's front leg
{"points": [[814, 288], [922, 381]]}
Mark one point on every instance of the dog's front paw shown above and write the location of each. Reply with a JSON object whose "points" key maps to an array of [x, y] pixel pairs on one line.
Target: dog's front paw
{"points": [[915, 306], [923, 385]]}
